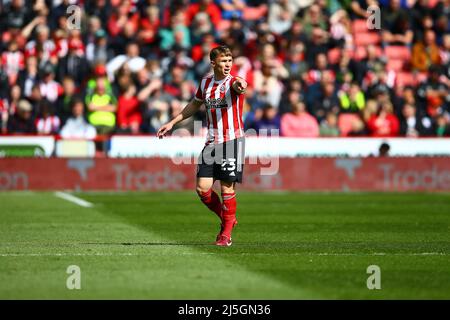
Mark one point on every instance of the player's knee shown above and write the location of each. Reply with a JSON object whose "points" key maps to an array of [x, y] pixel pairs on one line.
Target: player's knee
{"points": [[201, 190], [227, 188]]}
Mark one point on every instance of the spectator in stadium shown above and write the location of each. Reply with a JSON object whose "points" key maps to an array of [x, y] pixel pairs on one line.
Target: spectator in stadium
{"points": [[292, 96], [329, 126], [442, 126], [97, 50], [358, 8], [148, 30], [12, 61], [317, 43], [353, 99], [383, 150], [426, 52], [14, 12], [373, 62], [267, 86], [35, 98], [314, 18], [358, 128], [281, 15], [348, 65], [12, 101], [99, 8], [29, 77], [204, 6], [326, 102], [74, 63], [268, 122], [22, 121], [384, 123], [132, 58], [412, 124], [120, 18], [295, 62], [299, 123], [294, 34], [174, 82], [341, 29], [129, 118], [43, 47], [158, 112], [201, 25], [50, 89], [102, 108], [64, 102], [76, 126], [395, 25], [432, 93], [47, 122], [176, 33], [316, 71], [231, 8]]}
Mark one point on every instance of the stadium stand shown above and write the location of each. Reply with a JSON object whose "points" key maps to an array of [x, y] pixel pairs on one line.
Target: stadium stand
{"points": [[147, 56]]}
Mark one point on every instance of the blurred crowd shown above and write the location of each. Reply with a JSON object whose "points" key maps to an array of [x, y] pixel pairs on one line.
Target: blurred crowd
{"points": [[314, 68]]}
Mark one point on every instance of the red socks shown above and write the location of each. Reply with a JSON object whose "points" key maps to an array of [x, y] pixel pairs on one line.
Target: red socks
{"points": [[228, 212], [212, 201]]}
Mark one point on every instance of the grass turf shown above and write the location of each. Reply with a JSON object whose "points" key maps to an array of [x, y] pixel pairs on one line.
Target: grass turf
{"points": [[286, 246]]}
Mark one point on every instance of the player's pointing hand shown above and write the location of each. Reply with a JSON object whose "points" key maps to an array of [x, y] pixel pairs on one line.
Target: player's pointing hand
{"points": [[240, 85], [164, 129]]}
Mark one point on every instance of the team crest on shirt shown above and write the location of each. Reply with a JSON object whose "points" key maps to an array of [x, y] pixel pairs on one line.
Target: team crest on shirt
{"points": [[222, 88]]}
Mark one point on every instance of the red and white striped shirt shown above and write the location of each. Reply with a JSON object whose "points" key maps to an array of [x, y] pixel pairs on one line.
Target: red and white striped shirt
{"points": [[223, 107]]}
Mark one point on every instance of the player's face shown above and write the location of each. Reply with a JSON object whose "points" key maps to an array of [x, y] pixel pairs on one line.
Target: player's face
{"points": [[222, 65]]}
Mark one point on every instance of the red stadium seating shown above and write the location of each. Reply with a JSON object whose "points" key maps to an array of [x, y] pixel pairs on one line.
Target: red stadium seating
{"points": [[365, 39], [397, 52], [223, 25], [359, 26], [395, 65], [254, 13], [361, 53], [405, 79], [334, 55]]}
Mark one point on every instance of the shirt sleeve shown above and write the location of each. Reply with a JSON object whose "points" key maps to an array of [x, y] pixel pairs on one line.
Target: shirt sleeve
{"points": [[199, 93]]}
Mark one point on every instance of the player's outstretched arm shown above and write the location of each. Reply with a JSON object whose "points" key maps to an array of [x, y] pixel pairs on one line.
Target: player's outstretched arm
{"points": [[191, 108]]}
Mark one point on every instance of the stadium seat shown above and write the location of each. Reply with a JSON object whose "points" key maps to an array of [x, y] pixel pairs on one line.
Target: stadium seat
{"points": [[334, 55], [345, 122], [421, 77], [223, 25], [361, 53], [395, 65], [359, 26], [397, 52], [254, 13], [405, 79], [364, 39]]}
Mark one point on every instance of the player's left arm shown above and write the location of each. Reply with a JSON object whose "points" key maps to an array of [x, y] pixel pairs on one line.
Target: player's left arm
{"points": [[239, 85]]}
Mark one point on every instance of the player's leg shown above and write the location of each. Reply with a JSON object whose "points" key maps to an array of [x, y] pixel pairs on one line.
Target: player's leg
{"points": [[205, 181], [229, 205], [208, 196]]}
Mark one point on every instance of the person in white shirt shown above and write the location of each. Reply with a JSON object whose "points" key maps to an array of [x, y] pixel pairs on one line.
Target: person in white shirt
{"points": [[76, 126]]}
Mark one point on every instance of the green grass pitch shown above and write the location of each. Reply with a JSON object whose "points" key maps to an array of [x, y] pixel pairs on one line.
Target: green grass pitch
{"points": [[286, 246]]}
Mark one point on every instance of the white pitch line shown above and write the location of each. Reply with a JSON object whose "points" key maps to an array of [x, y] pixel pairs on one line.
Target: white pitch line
{"points": [[73, 199], [129, 254]]}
